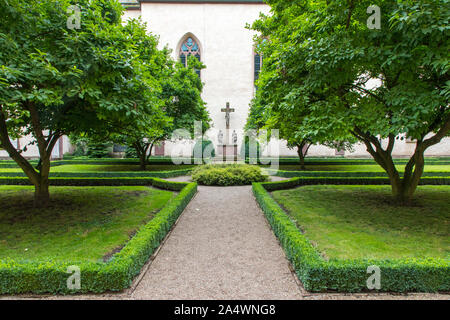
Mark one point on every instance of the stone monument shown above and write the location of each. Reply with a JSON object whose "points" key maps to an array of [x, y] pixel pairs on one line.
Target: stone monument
{"points": [[226, 149]]}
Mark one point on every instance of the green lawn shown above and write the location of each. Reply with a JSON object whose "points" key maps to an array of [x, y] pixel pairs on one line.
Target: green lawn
{"points": [[81, 224], [151, 167], [360, 168], [105, 168], [364, 222]]}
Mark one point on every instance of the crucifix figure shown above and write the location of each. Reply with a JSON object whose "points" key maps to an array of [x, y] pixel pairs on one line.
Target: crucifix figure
{"points": [[227, 111], [228, 149]]}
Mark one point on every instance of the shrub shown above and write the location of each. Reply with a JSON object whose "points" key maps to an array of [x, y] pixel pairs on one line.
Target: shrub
{"points": [[80, 145], [98, 150], [228, 175], [245, 148], [130, 152]]}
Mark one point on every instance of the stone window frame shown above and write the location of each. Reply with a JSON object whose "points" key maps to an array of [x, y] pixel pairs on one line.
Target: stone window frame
{"points": [[198, 53], [260, 58]]}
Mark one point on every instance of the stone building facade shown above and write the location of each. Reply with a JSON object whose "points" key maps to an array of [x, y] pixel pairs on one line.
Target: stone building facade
{"points": [[217, 29]]}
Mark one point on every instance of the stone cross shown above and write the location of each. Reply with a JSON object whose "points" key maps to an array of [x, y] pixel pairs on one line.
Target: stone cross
{"points": [[227, 111]]}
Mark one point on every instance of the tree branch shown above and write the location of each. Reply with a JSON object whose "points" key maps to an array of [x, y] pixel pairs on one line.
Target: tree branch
{"points": [[368, 92], [391, 143], [438, 136], [52, 142], [350, 12], [31, 173], [37, 130]]}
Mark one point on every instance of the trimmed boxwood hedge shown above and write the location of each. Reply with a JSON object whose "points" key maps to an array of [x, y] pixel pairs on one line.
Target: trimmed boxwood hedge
{"points": [[128, 174], [104, 161], [168, 185], [114, 275], [113, 161], [341, 161], [298, 181], [22, 181], [342, 174], [349, 275]]}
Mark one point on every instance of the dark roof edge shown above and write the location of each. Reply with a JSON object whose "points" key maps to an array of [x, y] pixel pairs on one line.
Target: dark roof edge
{"points": [[137, 6], [203, 1]]}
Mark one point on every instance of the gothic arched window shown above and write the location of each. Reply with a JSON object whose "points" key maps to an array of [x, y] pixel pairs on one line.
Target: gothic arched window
{"points": [[189, 47]]}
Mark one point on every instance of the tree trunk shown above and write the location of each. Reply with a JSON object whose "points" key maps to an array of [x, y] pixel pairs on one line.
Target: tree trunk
{"points": [[302, 151], [402, 188], [41, 194], [140, 150], [411, 178], [38, 179], [41, 187], [301, 157], [143, 155], [403, 191], [396, 186], [142, 161], [45, 146], [150, 151]]}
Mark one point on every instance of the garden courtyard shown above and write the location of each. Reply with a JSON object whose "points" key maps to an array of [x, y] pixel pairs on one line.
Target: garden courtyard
{"points": [[251, 149]]}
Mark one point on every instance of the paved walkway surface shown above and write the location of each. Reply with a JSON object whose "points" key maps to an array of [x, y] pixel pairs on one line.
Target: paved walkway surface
{"points": [[222, 248]]}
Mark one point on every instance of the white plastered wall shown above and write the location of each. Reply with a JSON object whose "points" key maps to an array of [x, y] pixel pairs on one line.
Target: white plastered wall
{"points": [[227, 51]]}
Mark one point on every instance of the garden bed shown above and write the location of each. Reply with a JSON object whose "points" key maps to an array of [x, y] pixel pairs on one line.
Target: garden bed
{"points": [[356, 222], [105, 270], [346, 271], [83, 224]]}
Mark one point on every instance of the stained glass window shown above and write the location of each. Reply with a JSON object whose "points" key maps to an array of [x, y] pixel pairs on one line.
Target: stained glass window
{"points": [[258, 59], [258, 65], [189, 48]]}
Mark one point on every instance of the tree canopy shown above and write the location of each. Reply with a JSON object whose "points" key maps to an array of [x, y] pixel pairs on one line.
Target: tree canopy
{"points": [[346, 77], [181, 105], [55, 80]]}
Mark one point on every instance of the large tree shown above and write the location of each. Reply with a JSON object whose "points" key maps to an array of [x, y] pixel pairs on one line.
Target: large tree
{"points": [[280, 104], [379, 85], [56, 80], [182, 105], [154, 67]]}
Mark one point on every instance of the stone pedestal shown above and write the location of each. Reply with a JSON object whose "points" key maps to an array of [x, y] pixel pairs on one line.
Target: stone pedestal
{"points": [[227, 151]]}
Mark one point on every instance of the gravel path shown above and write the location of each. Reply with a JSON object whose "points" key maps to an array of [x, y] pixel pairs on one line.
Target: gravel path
{"points": [[221, 248]]}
